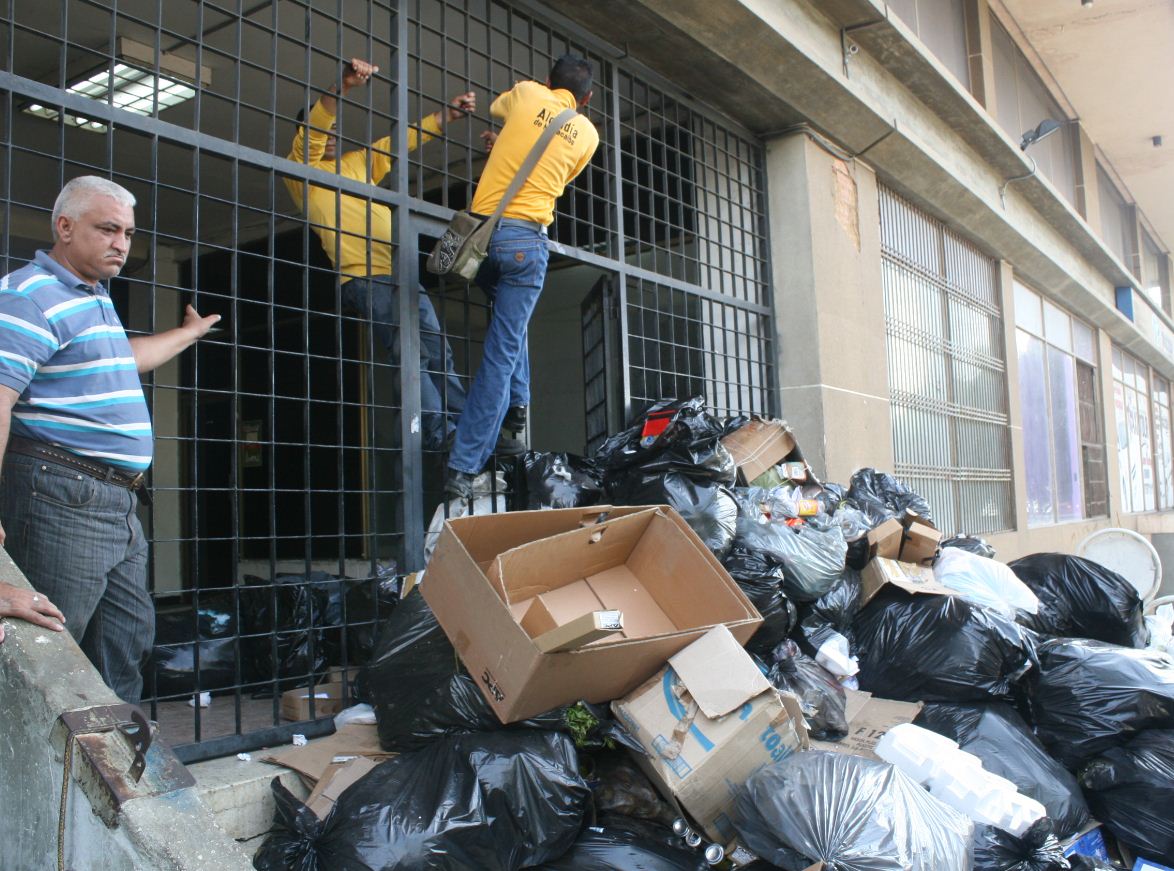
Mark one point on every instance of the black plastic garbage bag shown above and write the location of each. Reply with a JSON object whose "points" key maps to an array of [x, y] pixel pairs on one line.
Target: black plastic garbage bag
{"points": [[826, 624], [620, 788], [998, 736], [1131, 790], [187, 637], [831, 497], [304, 615], [853, 813], [690, 443], [197, 666], [499, 800], [604, 848], [1037, 850], [456, 707], [760, 578], [707, 506], [412, 658], [561, 481], [917, 647], [972, 543], [1089, 696], [881, 496], [1081, 599], [812, 554], [854, 524], [820, 694]]}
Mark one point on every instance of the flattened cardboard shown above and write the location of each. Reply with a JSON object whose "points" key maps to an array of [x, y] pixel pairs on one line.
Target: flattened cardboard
{"points": [[580, 632], [909, 577], [696, 761], [337, 777], [312, 760], [684, 578], [868, 720], [718, 674], [758, 446]]}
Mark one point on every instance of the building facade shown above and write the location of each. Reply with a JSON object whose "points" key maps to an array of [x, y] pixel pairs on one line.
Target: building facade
{"points": [[815, 209]]}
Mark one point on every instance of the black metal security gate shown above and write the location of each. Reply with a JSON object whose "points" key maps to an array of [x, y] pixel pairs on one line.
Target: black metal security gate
{"points": [[290, 476]]}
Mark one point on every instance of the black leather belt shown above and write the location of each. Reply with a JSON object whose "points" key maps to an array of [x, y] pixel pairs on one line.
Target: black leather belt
{"points": [[60, 456]]}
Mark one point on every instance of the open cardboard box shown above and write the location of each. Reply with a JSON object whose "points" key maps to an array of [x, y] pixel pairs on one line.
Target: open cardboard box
{"points": [[910, 577], [910, 539], [759, 445], [494, 576], [707, 722]]}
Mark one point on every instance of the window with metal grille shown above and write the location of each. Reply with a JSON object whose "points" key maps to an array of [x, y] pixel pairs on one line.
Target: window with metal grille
{"points": [[1064, 451], [947, 371], [1136, 432], [291, 478]]}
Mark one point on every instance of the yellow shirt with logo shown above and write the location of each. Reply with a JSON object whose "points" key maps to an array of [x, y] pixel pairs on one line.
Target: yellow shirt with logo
{"points": [[527, 108], [366, 226]]}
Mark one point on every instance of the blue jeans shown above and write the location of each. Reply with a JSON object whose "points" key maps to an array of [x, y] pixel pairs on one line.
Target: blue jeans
{"points": [[512, 276], [79, 541], [375, 298]]}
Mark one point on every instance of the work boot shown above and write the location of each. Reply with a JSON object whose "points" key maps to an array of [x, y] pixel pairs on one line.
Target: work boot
{"points": [[511, 441], [459, 485], [515, 420], [505, 446]]}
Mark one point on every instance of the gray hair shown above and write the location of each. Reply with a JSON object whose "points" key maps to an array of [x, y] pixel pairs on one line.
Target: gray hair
{"points": [[79, 191]]}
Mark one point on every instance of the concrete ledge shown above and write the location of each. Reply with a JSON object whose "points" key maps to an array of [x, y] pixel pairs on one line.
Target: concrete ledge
{"points": [[239, 796], [42, 675]]}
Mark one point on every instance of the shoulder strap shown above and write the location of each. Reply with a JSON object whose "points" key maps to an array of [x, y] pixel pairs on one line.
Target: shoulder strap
{"points": [[532, 160]]}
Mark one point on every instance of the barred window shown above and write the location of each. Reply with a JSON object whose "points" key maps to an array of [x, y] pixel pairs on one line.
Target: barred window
{"points": [[291, 475], [947, 371]]}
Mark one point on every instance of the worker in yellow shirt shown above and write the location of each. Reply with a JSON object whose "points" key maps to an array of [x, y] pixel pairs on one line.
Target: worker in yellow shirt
{"points": [[356, 235], [515, 268]]}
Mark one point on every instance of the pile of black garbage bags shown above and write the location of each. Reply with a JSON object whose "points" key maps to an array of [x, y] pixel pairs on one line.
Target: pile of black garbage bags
{"points": [[1067, 703]]}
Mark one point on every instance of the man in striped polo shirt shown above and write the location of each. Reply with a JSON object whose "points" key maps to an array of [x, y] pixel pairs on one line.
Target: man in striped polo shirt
{"points": [[77, 432]]}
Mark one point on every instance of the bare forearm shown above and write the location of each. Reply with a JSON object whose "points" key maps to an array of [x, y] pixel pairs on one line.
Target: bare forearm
{"points": [[151, 352]]}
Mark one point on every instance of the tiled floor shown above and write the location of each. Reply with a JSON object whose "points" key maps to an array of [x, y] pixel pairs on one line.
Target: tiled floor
{"points": [[177, 720]]}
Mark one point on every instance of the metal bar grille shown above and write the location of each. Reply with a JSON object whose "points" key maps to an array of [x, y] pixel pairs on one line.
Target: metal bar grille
{"points": [[292, 478], [947, 373]]}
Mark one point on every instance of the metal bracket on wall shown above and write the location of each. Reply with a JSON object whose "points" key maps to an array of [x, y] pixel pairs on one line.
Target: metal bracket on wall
{"points": [[115, 771], [849, 48]]}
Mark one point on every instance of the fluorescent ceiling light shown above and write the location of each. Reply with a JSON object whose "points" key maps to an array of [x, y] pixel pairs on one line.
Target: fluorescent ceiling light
{"points": [[133, 88]]}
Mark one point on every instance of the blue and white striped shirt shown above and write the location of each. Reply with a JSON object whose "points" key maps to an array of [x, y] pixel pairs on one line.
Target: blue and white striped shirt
{"points": [[63, 349]]}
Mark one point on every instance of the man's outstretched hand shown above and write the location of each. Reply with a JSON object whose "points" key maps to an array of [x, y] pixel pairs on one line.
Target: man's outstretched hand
{"points": [[488, 138], [197, 325], [462, 105]]}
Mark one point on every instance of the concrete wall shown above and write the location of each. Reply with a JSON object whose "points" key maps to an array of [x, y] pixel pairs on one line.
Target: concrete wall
{"points": [[43, 674], [825, 252]]}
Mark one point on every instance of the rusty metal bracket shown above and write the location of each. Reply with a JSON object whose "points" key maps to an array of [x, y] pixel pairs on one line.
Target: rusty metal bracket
{"points": [[116, 771]]}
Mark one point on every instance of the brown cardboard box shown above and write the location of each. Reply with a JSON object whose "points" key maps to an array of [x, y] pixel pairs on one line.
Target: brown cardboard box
{"points": [[487, 571], [920, 542], [909, 577], [707, 722], [328, 701], [911, 539], [757, 446], [868, 720]]}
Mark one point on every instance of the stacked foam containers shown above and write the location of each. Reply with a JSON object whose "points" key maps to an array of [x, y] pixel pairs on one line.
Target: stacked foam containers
{"points": [[957, 778]]}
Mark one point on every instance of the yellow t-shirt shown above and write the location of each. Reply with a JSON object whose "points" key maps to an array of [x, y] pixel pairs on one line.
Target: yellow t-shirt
{"points": [[527, 108], [328, 210]]}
